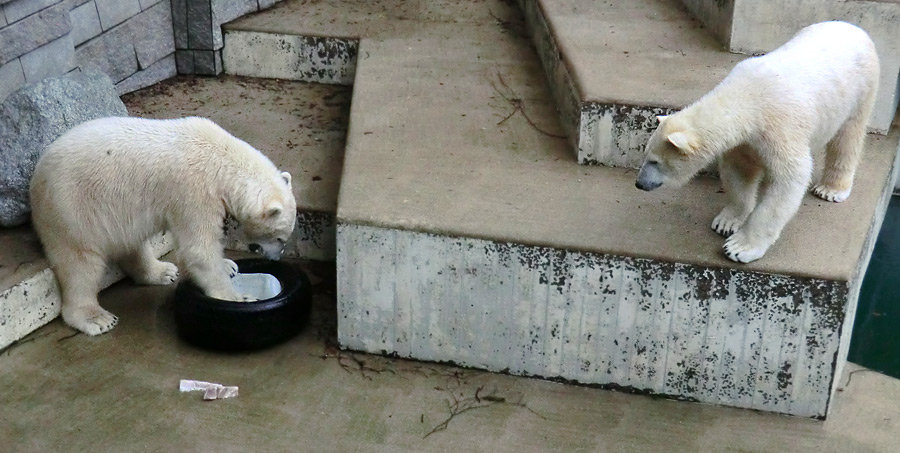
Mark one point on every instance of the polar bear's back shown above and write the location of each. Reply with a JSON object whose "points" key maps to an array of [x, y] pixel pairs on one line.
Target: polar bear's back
{"points": [[119, 178], [821, 76]]}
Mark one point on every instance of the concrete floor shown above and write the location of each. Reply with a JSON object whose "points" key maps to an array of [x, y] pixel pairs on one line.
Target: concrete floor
{"points": [[119, 392]]}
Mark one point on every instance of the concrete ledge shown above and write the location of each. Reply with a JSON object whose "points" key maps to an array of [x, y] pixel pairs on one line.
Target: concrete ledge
{"points": [[711, 335], [279, 56], [33, 301]]}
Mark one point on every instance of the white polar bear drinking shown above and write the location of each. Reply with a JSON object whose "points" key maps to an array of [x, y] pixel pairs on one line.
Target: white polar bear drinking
{"points": [[762, 122], [104, 188]]}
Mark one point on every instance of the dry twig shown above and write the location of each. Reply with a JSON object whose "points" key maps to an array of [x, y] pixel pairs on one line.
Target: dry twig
{"points": [[477, 401], [518, 106]]}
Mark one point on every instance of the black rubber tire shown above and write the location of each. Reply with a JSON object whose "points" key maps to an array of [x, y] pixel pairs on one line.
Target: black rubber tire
{"points": [[240, 326]]}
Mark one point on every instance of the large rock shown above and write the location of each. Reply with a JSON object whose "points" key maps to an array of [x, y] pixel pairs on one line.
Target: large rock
{"points": [[33, 117]]}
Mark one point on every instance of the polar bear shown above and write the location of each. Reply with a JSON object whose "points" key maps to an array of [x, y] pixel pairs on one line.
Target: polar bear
{"points": [[102, 189], [761, 123]]}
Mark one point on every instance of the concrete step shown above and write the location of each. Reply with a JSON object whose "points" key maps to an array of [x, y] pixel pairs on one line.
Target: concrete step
{"points": [[466, 232], [29, 293], [299, 126], [753, 27], [614, 66]]}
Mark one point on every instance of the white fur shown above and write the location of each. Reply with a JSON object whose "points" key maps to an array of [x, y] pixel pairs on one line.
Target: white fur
{"points": [[761, 123], [101, 190]]}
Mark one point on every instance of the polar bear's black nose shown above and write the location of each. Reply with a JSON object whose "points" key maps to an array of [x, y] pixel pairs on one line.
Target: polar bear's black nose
{"points": [[255, 248]]}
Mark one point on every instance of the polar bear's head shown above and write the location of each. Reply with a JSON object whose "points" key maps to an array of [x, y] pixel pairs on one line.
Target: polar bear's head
{"points": [[675, 153], [268, 221]]}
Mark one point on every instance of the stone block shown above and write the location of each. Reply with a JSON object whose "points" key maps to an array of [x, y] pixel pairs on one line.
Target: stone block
{"points": [[208, 62], [267, 3], [2, 18], [20, 9], [199, 25], [111, 52], [114, 12], [159, 71], [152, 31], [184, 61], [179, 23], [147, 4], [33, 117], [12, 77], [34, 31], [52, 59], [85, 23]]}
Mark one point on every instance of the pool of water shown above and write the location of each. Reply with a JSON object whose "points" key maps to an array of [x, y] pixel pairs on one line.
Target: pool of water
{"points": [[876, 333]]}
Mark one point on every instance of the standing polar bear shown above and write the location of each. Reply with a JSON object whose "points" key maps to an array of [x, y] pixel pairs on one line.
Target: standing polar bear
{"points": [[762, 121], [102, 189]]}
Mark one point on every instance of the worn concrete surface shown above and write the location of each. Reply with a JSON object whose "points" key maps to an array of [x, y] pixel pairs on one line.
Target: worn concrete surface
{"points": [[119, 392], [356, 19]]}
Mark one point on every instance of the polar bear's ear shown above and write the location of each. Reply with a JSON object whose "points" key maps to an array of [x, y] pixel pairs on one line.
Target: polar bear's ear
{"points": [[287, 178], [273, 210], [683, 141], [661, 118]]}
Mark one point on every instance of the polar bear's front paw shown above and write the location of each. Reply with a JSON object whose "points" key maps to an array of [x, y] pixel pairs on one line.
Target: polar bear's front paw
{"points": [[738, 247], [231, 268], [829, 194], [726, 223], [161, 273], [248, 298], [92, 320]]}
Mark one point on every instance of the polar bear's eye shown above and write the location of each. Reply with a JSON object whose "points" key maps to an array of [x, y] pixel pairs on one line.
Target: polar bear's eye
{"points": [[280, 240]]}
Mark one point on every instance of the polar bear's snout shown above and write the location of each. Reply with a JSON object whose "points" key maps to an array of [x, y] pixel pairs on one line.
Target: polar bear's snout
{"points": [[271, 250], [649, 177]]}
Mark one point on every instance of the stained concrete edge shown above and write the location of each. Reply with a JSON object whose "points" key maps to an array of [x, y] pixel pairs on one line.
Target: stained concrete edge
{"points": [[329, 60], [35, 301], [718, 336]]}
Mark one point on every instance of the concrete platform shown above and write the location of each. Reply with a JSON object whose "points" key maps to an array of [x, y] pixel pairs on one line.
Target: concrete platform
{"points": [[466, 233], [300, 127], [119, 392], [752, 27]]}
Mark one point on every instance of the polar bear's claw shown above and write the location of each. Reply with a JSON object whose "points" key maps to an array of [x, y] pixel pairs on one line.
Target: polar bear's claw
{"points": [[160, 273], [739, 249], [725, 223], [828, 194], [91, 320], [231, 268]]}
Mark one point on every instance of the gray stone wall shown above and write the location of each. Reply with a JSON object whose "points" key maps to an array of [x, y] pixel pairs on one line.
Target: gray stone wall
{"points": [[130, 40], [134, 42]]}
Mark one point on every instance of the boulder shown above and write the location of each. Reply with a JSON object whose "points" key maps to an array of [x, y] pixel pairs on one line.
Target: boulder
{"points": [[34, 116]]}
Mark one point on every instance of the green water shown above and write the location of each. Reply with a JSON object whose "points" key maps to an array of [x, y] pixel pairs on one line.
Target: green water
{"points": [[876, 332]]}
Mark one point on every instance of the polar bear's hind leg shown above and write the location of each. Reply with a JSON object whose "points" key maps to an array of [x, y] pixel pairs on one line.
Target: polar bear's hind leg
{"points": [[80, 274], [842, 156]]}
